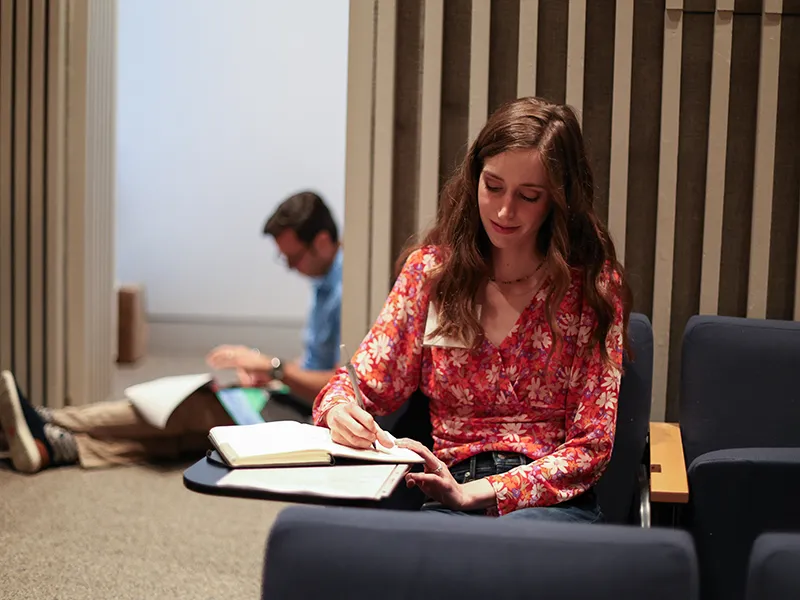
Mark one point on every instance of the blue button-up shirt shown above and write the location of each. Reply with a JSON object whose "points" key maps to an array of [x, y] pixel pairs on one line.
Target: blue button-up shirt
{"points": [[324, 320]]}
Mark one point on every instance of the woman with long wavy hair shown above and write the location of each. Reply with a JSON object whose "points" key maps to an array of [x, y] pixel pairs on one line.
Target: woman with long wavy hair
{"points": [[511, 316]]}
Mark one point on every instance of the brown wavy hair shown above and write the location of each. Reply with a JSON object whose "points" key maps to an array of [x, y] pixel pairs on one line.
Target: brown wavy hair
{"points": [[572, 236]]}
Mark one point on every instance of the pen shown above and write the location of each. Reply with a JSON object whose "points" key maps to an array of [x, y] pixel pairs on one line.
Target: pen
{"points": [[351, 372]]}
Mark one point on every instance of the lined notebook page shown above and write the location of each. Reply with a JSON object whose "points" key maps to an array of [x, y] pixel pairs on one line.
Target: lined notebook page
{"points": [[357, 482]]}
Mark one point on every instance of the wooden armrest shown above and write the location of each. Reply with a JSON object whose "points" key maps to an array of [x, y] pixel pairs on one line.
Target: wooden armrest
{"points": [[668, 481]]}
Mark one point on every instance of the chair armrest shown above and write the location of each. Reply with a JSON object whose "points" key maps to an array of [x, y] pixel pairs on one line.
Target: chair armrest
{"points": [[668, 482]]}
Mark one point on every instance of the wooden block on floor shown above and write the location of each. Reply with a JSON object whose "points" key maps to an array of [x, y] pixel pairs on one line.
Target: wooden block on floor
{"points": [[132, 324]]}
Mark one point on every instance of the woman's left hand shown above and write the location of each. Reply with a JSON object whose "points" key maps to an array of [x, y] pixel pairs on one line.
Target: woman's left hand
{"points": [[436, 482]]}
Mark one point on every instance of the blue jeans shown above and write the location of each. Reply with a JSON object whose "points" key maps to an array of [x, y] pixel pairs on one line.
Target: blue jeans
{"points": [[581, 509]]}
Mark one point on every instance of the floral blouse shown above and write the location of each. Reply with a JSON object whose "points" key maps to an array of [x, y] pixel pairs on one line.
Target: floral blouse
{"points": [[503, 398]]}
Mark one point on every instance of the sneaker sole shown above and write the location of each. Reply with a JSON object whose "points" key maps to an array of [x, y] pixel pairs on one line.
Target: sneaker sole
{"points": [[24, 452]]}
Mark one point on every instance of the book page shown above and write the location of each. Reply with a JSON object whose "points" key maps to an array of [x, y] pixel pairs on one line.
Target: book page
{"points": [[395, 454], [367, 482], [284, 437], [156, 400], [275, 437]]}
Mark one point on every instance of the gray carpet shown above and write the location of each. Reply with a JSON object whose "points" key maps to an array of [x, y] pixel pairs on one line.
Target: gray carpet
{"points": [[131, 532], [128, 532]]}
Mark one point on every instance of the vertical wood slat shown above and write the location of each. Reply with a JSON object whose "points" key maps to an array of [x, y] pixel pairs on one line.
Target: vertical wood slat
{"points": [[406, 126], [20, 179], [785, 205], [55, 206], [717, 156], [620, 126], [381, 226], [740, 159], [99, 200], [6, 187], [797, 277], [430, 113], [576, 46], [528, 34], [503, 53], [357, 172], [763, 172], [479, 67], [75, 214], [667, 187], [37, 214]]}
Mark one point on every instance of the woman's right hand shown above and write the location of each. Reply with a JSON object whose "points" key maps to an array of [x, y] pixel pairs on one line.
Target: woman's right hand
{"points": [[352, 426]]}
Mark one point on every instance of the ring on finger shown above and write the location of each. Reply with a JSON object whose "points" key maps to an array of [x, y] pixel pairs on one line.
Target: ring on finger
{"points": [[438, 469]]}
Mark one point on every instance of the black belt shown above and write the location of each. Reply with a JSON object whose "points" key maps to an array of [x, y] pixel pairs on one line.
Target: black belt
{"points": [[487, 463]]}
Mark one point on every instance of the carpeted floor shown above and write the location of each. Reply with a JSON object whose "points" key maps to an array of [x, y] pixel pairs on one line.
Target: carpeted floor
{"points": [[130, 532]]}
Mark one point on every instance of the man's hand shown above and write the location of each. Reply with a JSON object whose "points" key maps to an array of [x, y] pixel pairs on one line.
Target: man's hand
{"points": [[252, 379], [238, 357]]}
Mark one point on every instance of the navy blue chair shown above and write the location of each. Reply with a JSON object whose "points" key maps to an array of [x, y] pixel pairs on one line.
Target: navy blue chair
{"points": [[367, 554], [740, 426], [773, 573]]}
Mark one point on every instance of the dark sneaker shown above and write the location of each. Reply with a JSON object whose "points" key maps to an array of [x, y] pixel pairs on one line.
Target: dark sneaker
{"points": [[23, 428]]}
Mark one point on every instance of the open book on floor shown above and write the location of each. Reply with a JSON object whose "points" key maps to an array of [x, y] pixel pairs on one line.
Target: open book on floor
{"points": [[156, 400], [283, 443]]}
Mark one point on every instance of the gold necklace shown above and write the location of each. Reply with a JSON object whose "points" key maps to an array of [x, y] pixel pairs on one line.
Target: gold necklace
{"points": [[519, 280]]}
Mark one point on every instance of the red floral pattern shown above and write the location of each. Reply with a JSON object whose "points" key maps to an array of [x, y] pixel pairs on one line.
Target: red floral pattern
{"points": [[497, 398]]}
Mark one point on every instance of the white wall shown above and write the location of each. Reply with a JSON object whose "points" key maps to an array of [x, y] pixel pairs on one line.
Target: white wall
{"points": [[224, 108]]}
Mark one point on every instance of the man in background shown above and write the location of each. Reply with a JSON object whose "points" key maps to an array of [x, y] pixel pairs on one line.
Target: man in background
{"points": [[103, 434], [308, 241]]}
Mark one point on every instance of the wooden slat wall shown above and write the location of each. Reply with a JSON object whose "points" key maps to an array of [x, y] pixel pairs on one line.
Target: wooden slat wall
{"points": [[57, 117], [691, 111]]}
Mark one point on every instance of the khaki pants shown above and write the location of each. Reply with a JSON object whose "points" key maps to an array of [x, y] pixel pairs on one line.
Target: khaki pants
{"points": [[114, 433]]}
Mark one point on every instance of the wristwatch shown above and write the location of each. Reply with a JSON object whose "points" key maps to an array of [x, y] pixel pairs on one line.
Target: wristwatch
{"points": [[277, 369]]}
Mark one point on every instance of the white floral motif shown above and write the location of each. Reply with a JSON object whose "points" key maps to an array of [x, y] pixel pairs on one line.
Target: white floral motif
{"points": [[535, 389], [379, 347], [512, 371], [584, 335], [512, 429], [429, 263], [492, 375], [584, 461], [376, 384], [555, 464], [610, 383], [606, 400], [571, 325], [541, 338], [463, 394], [364, 362]]}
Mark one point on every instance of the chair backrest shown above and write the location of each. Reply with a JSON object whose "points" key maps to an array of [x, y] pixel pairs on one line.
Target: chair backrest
{"points": [[315, 552], [773, 573], [617, 486], [739, 384]]}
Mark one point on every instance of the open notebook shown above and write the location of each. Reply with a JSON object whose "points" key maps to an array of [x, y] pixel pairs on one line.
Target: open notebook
{"points": [[280, 443], [354, 482]]}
